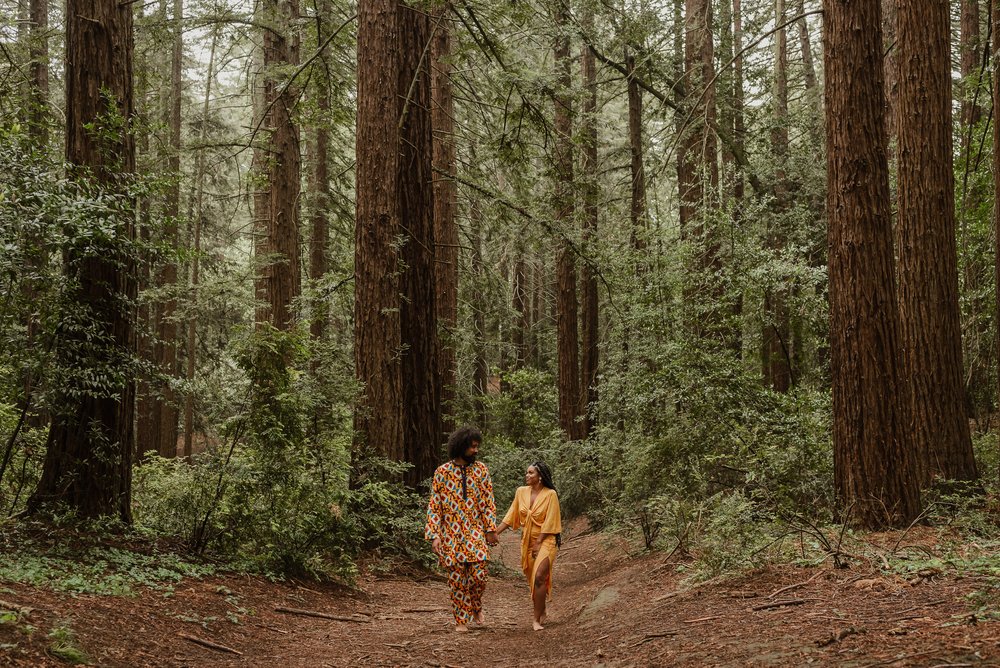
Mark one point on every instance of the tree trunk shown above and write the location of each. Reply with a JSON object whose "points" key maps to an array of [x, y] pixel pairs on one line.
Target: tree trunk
{"points": [[567, 334], [813, 95], [874, 464], [995, 59], [378, 417], [776, 337], [38, 124], [480, 371], [890, 50], [637, 208], [701, 172], [928, 265], [590, 316], [89, 452], [281, 271], [445, 201], [975, 322], [165, 408], [192, 324], [422, 437]]}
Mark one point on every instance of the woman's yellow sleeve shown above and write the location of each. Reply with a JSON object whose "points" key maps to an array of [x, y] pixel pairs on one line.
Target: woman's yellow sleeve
{"points": [[553, 521], [513, 516]]}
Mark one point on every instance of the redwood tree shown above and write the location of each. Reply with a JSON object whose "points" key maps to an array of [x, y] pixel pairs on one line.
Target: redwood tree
{"points": [[874, 463], [567, 335], [89, 451], [422, 438], [928, 265], [378, 419]]}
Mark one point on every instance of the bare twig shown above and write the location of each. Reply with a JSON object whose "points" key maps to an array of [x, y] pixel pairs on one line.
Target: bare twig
{"points": [[323, 615], [210, 645], [796, 585], [782, 604]]}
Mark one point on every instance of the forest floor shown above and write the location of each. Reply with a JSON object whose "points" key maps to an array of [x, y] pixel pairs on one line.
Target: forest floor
{"points": [[612, 607]]}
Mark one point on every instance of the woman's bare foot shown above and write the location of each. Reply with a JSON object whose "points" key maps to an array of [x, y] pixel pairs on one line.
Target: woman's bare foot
{"points": [[537, 625], [461, 628], [479, 618]]}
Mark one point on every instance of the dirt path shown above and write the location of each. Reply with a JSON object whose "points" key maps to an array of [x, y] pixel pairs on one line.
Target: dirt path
{"points": [[608, 610]]}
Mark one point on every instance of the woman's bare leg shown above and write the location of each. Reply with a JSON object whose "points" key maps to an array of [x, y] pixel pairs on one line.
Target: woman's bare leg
{"points": [[541, 592]]}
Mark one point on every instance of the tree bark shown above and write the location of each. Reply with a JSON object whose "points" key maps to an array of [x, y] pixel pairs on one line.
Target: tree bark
{"points": [[698, 189], [378, 417], [928, 265], [422, 437], [281, 270], [874, 464], [445, 201], [568, 343], [192, 324], [590, 316], [776, 337], [89, 451], [165, 407]]}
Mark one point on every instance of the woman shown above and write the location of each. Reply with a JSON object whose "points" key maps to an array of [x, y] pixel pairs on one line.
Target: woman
{"points": [[535, 510]]}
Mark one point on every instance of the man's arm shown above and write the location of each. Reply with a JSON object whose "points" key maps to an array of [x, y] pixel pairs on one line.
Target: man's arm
{"points": [[435, 513]]}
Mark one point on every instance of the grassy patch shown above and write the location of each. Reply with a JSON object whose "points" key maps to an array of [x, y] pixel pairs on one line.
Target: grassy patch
{"points": [[64, 646]]}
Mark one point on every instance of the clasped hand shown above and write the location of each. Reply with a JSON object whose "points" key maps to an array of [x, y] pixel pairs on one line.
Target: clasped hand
{"points": [[491, 538]]}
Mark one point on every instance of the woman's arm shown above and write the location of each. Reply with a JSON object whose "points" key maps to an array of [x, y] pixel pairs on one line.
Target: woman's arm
{"points": [[503, 526]]}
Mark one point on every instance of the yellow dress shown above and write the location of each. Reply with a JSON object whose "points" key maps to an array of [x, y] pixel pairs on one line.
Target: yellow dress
{"points": [[534, 519]]}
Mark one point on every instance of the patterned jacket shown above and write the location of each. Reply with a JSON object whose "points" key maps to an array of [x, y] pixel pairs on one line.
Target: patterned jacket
{"points": [[461, 514]]}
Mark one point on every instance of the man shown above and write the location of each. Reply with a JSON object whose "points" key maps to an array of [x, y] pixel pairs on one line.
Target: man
{"points": [[461, 522]]}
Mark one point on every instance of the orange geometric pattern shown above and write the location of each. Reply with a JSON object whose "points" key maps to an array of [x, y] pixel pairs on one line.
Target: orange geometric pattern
{"points": [[461, 514]]}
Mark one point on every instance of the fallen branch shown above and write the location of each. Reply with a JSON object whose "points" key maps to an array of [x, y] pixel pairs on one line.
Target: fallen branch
{"points": [[840, 635], [796, 585], [782, 604], [702, 619], [323, 615], [210, 645], [652, 636], [14, 607]]}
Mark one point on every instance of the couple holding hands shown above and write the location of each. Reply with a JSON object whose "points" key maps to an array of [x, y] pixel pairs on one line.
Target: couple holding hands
{"points": [[461, 525]]}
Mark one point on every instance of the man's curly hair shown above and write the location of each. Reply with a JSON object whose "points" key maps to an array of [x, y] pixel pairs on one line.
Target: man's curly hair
{"points": [[461, 439]]}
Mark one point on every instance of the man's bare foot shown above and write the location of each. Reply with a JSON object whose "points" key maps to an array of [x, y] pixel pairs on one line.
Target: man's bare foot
{"points": [[479, 618], [461, 628], [537, 625]]}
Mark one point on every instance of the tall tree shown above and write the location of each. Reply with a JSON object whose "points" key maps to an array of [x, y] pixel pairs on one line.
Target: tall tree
{"points": [[776, 337], [445, 202], [281, 270], [874, 464], [589, 315], [378, 419], [39, 54], [568, 342], [995, 60], [928, 265], [422, 437], [165, 412], [191, 354], [700, 175], [89, 451]]}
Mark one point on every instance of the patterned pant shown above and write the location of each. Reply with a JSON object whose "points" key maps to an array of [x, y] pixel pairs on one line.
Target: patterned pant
{"points": [[467, 582]]}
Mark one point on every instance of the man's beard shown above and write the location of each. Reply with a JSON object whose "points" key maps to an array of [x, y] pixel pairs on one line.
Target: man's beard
{"points": [[469, 459]]}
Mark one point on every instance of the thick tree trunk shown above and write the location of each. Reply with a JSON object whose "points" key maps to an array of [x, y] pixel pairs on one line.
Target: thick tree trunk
{"points": [[422, 437], [874, 464], [568, 343], [89, 453], [928, 265], [698, 189], [590, 316], [281, 270], [445, 201], [378, 417]]}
